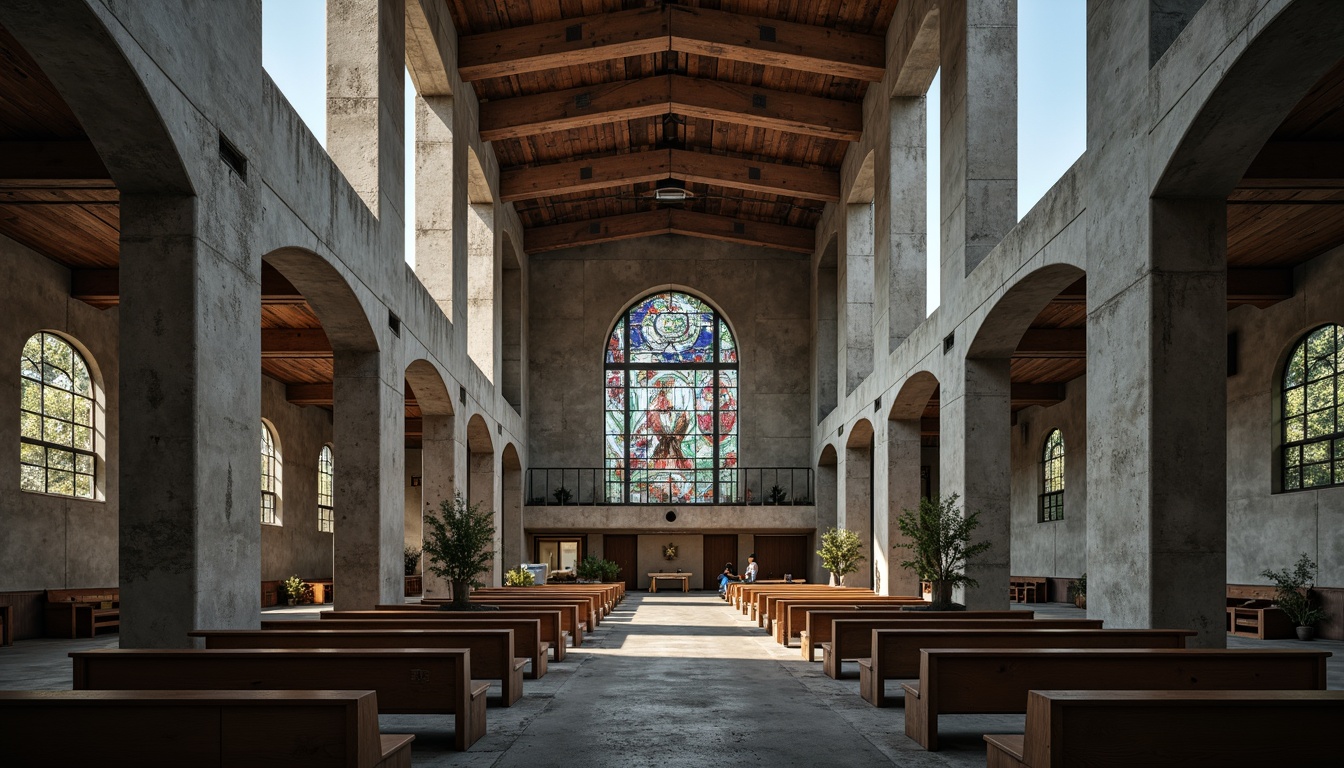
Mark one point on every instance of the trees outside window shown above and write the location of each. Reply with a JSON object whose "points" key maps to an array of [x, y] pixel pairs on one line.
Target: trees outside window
{"points": [[57, 432], [1052, 478], [1312, 448]]}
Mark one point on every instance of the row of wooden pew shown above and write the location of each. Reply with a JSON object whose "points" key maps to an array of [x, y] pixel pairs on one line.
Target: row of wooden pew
{"points": [[253, 697], [1091, 696]]}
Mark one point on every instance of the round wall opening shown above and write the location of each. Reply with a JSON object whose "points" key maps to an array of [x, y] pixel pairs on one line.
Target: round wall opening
{"points": [[671, 516]]}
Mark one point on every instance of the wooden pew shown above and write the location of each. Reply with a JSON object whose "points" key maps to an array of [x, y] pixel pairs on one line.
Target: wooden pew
{"points": [[590, 605], [407, 680], [491, 649], [774, 604], [820, 624], [743, 593], [75, 613], [1175, 729], [152, 729], [790, 615], [524, 630], [852, 639], [759, 599], [569, 617], [896, 651], [964, 681]]}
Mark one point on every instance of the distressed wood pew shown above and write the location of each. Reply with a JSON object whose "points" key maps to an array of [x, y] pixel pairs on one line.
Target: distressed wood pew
{"points": [[896, 651], [790, 616], [774, 604], [163, 729], [407, 680], [590, 606], [1175, 729], [491, 649], [745, 593], [965, 681], [759, 612], [820, 624], [522, 626], [570, 626], [852, 638]]}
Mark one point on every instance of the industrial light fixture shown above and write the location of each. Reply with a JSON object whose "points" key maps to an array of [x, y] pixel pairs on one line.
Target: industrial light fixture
{"points": [[671, 190]]}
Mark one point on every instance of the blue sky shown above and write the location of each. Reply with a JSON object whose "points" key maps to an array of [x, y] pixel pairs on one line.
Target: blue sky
{"points": [[1051, 126]]}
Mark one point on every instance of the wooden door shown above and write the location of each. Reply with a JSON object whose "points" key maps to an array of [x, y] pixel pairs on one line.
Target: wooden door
{"points": [[720, 549], [623, 550], [778, 555]]}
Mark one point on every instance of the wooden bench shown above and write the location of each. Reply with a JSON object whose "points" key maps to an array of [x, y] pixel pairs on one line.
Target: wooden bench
{"points": [[407, 680], [1251, 613], [820, 624], [774, 605], [896, 651], [492, 654], [585, 612], [72, 613], [570, 625], [528, 629], [596, 601], [684, 578], [759, 609], [996, 681], [158, 729], [1175, 729], [1026, 589], [852, 639], [791, 615]]}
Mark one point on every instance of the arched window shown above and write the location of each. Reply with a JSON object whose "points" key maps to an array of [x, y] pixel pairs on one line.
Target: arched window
{"points": [[671, 413], [56, 419], [1313, 430], [326, 516], [270, 477], [1052, 478]]}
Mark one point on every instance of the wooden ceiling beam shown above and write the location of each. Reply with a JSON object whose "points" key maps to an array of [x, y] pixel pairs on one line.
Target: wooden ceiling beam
{"points": [[682, 29], [323, 394], [590, 175], [38, 163], [656, 96], [1259, 287], [295, 343], [101, 287], [1296, 165], [666, 222], [1053, 343]]}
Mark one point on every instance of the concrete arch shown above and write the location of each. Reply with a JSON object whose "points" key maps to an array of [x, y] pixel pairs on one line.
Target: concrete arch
{"points": [[343, 317], [862, 191], [478, 435], [827, 457], [860, 435], [1274, 71], [483, 487], [913, 396], [431, 393], [1001, 329], [478, 184]]}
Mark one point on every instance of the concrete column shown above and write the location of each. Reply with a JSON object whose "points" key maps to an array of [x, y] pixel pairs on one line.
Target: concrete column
{"points": [[903, 447], [438, 483], [482, 288], [978, 50], [854, 511], [975, 463], [905, 213], [189, 537], [368, 432], [481, 489], [858, 319], [826, 360], [366, 67], [827, 492], [435, 184], [512, 546]]}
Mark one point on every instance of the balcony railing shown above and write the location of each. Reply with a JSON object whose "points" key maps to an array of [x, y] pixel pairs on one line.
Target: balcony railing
{"points": [[597, 486]]}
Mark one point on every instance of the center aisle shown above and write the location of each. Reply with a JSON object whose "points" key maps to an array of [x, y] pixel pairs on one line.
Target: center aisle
{"points": [[673, 679]]}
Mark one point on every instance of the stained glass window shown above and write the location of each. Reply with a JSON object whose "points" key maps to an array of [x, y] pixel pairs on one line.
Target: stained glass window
{"points": [[56, 409], [671, 404], [1313, 432], [270, 460], [1052, 478], [326, 516]]}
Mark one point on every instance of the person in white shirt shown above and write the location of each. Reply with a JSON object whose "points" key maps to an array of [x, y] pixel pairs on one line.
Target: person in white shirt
{"points": [[753, 567]]}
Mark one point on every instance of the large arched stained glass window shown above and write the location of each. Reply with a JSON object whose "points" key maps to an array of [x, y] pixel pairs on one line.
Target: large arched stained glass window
{"points": [[671, 413], [56, 410], [1313, 430], [1052, 478]]}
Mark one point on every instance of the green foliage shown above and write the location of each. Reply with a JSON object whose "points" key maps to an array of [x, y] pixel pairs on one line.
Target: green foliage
{"points": [[562, 495], [777, 495], [519, 577], [412, 558], [841, 551], [1294, 588], [610, 570], [939, 539], [1078, 587], [597, 569], [293, 586], [458, 543]]}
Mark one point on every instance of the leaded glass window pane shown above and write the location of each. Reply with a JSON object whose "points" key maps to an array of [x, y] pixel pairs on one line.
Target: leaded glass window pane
{"points": [[1052, 478], [1313, 435], [269, 514], [56, 426], [326, 515]]}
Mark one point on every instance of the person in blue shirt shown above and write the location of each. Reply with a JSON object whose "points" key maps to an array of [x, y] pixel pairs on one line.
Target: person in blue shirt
{"points": [[726, 578]]}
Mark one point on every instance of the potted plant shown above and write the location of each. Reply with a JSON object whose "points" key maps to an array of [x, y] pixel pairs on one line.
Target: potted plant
{"points": [[777, 495], [293, 589], [1078, 591], [458, 546], [841, 552], [562, 495], [938, 536], [597, 569], [412, 558], [1294, 596], [519, 577], [610, 570]]}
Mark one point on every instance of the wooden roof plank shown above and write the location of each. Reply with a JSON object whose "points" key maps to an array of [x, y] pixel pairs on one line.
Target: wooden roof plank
{"points": [[764, 108], [564, 43], [756, 40]]}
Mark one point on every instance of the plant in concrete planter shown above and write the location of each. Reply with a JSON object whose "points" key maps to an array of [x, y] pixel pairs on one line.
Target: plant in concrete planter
{"points": [[777, 495], [519, 577], [293, 589], [841, 552], [1078, 591], [411, 556], [458, 543], [597, 569], [562, 495], [1294, 596], [938, 536], [610, 570]]}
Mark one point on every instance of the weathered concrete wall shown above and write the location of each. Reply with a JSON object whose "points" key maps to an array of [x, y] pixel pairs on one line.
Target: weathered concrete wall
{"points": [[1059, 547], [296, 546], [52, 542]]}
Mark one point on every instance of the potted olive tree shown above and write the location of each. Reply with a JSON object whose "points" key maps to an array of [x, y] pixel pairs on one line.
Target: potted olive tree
{"points": [[1294, 596], [457, 546], [293, 588], [938, 536], [841, 552]]}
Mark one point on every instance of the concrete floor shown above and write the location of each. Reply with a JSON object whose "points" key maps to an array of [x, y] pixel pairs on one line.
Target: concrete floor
{"points": [[668, 680]]}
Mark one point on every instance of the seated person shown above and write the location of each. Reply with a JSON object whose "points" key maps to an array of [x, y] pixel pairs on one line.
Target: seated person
{"points": [[753, 568], [726, 577]]}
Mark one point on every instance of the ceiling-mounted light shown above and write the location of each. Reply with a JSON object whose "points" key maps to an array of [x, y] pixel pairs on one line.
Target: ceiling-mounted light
{"points": [[671, 190]]}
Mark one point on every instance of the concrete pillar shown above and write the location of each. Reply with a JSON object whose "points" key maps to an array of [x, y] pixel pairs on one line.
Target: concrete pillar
{"points": [[435, 184], [978, 51], [858, 308], [905, 223], [903, 448], [483, 284], [368, 432], [512, 359], [512, 547], [855, 508], [975, 463], [189, 537], [481, 489], [438, 483], [366, 67], [827, 494], [826, 361]]}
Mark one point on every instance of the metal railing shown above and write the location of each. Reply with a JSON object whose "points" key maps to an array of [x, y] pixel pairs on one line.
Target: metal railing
{"points": [[598, 486]]}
